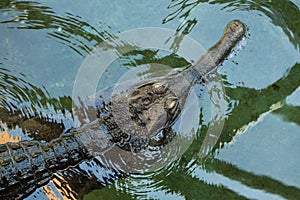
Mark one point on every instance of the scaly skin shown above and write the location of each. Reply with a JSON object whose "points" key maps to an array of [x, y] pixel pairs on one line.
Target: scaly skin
{"points": [[126, 124], [27, 165]]}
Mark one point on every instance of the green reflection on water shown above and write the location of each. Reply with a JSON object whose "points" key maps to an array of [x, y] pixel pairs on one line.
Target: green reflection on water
{"points": [[66, 37]]}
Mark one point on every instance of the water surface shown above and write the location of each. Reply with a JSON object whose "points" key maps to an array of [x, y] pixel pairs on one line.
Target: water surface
{"points": [[43, 45]]}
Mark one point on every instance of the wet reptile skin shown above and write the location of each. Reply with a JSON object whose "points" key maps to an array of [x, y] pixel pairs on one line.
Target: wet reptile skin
{"points": [[131, 121]]}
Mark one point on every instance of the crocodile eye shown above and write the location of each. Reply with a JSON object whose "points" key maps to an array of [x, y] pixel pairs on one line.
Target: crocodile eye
{"points": [[159, 88], [146, 101], [171, 104]]}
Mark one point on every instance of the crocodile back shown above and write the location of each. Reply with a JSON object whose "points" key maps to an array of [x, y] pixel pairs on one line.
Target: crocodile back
{"points": [[27, 165]]}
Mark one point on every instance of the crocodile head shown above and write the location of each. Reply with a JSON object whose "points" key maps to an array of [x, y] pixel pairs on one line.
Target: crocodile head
{"points": [[146, 109], [153, 104]]}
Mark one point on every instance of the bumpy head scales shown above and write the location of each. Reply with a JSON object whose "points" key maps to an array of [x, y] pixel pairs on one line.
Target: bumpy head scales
{"points": [[150, 102]]}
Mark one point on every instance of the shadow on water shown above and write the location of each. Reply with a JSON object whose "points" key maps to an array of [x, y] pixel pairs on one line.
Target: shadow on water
{"points": [[80, 36]]}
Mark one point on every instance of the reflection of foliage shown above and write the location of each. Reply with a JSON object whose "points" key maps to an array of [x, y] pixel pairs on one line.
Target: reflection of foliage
{"points": [[289, 113], [15, 91], [140, 57], [252, 103], [183, 11], [255, 181], [106, 194], [191, 187]]}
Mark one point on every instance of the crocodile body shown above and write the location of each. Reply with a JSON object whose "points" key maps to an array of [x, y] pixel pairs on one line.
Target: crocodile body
{"points": [[126, 125]]}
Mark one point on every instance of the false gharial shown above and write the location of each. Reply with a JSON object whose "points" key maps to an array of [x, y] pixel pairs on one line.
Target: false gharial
{"points": [[127, 124]]}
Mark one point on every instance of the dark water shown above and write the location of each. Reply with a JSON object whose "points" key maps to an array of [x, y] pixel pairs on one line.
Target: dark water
{"points": [[248, 149]]}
